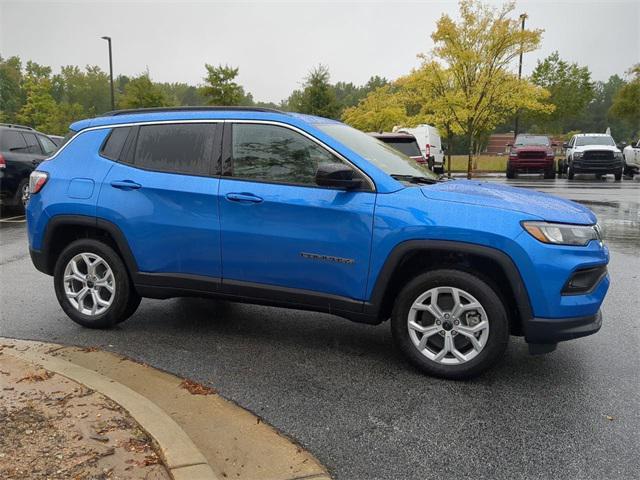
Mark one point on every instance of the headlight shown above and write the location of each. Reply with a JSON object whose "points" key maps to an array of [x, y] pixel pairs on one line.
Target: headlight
{"points": [[563, 234], [577, 154], [617, 155]]}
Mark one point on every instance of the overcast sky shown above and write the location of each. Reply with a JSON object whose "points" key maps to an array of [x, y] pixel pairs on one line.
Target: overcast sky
{"points": [[276, 43]]}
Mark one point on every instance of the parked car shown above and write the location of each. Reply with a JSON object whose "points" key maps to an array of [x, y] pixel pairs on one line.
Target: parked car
{"points": [[260, 206], [531, 154], [631, 155], [403, 142], [592, 153], [428, 138], [21, 150]]}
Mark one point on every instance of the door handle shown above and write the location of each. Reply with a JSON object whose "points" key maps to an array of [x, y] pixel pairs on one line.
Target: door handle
{"points": [[243, 197], [125, 185]]}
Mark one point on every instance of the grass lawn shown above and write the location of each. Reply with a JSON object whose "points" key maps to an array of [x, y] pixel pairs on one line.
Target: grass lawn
{"points": [[483, 163]]}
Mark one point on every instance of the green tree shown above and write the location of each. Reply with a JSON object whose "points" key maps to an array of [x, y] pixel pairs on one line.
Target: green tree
{"points": [[40, 108], [570, 88], [317, 96], [626, 102], [88, 88], [220, 86], [11, 94], [471, 62], [141, 92]]}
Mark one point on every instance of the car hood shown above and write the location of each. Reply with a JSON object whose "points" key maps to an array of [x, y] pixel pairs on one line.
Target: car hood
{"points": [[532, 203]]}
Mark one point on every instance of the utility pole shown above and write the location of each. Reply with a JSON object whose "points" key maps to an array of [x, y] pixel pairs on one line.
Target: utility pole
{"points": [[113, 101], [523, 17]]}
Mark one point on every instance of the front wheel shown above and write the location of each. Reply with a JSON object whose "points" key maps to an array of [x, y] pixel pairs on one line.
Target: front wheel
{"points": [[570, 173], [450, 324], [618, 175], [93, 286]]}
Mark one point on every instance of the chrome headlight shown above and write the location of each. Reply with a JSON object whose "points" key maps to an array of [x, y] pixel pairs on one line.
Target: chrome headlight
{"points": [[562, 233], [577, 154], [617, 155]]}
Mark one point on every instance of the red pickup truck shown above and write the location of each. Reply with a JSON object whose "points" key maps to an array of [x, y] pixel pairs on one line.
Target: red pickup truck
{"points": [[531, 154]]}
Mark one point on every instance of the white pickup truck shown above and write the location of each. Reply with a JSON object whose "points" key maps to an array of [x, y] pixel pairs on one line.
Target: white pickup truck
{"points": [[631, 155], [592, 153]]}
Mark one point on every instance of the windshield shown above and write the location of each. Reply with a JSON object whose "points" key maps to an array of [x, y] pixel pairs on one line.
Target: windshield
{"points": [[408, 146], [386, 158], [595, 140], [532, 140]]}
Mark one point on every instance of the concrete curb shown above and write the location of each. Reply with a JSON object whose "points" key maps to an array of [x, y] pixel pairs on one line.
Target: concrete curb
{"points": [[183, 459]]}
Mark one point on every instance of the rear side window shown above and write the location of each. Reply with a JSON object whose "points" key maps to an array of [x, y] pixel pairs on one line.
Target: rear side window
{"points": [[113, 146], [32, 143], [177, 148], [12, 141]]}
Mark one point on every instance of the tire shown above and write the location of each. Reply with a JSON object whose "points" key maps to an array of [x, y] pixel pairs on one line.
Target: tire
{"points": [[618, 175], [550, 173], [430, 165], [510, 172], [492, 341], [122, 300], [22, 195], [570, 173]]}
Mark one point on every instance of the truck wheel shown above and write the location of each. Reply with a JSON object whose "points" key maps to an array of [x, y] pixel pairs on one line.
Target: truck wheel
{"points": [[510, 172], [550, 173], [93, 286], [450, 324], [570, 173], [618, 175]]}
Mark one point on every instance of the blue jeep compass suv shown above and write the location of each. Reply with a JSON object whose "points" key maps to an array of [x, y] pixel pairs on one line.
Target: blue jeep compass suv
{"points": [[290, 210]]}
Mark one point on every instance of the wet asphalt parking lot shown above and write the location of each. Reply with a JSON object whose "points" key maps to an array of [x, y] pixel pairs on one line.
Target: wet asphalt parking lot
{"points": [[341, 390]]}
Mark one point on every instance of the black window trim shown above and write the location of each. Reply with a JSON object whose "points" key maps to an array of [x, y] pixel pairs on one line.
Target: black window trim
{"points": [[227, 160], [127, 154]]}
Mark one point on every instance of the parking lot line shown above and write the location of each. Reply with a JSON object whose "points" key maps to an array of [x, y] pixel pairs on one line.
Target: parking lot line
{"points": [[16, 219]]}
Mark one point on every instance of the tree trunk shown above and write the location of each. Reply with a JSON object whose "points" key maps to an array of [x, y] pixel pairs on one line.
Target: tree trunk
{"points": [[470, 159]]}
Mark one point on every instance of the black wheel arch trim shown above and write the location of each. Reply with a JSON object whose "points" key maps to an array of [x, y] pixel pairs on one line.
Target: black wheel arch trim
{"points": [[522, 300]]}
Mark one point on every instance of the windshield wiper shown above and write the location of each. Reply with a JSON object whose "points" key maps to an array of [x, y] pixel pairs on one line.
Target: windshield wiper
{"points": [[414, 179]]}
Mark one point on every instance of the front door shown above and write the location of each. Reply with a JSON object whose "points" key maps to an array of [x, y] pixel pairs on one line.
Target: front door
{"points": [[278, 228]]}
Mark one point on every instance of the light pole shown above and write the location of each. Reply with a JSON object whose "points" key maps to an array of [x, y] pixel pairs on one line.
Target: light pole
{"points": [[113, 101], [523, 17]]}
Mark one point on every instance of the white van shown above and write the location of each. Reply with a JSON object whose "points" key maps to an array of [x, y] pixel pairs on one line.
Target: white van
{"points": [[430, 144]]}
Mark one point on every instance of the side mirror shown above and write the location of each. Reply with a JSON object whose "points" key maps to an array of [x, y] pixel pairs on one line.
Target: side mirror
{"points": [[554, 144], [565, 145], [337, 175], [509, 144]]}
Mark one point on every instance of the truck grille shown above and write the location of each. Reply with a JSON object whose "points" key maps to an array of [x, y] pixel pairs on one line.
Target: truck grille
{"points": [[598, 155], [533, 155]]}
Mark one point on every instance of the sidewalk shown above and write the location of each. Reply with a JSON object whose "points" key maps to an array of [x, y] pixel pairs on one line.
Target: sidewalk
{"points": [[160, 425]]}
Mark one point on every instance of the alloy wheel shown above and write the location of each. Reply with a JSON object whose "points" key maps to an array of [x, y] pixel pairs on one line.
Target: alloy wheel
{"points": [[89, 284], [448, 325]]}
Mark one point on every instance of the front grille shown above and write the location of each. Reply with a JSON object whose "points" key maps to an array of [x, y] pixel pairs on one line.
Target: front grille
{"points": [[598, 155], [532, 155]]}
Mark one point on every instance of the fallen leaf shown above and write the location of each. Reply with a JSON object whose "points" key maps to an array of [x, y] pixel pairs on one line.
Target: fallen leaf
{"points": [[195, 388]]}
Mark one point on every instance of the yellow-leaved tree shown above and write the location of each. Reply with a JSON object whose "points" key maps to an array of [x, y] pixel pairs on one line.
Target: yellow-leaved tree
{"points": [[381, 110]]}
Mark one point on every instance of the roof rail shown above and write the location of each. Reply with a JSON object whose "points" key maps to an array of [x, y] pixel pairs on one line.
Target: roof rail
{"points": [[187, 109], [13, 125]]}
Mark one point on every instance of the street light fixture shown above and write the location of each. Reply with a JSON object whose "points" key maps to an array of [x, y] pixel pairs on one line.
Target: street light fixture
{"points": [[113, 101]]}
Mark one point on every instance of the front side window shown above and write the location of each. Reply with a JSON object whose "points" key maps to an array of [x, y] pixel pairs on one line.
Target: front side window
{"points": [[47, 145], [176, 148], [276, 154], [32, 143]]}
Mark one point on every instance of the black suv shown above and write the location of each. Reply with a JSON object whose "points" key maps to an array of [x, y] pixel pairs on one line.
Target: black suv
{"points": [[21, 151]]}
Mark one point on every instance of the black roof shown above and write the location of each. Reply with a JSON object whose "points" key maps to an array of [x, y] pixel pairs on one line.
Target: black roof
{"points": [[188, 109]]}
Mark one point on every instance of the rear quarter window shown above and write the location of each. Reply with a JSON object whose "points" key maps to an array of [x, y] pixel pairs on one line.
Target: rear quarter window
{"points": [[112, 147]]}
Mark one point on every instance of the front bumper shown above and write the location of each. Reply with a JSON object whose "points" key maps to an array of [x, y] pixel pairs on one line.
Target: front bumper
{"points": [[586, 166], [554, 330]]}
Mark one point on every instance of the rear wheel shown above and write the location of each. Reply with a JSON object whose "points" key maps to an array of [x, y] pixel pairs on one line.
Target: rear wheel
{"points": [[450, 324], [93, 286], [22, 194]]}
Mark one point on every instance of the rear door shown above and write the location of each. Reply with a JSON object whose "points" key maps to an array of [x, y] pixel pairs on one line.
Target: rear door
{"points": [[278, 227], [162, 194]]}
